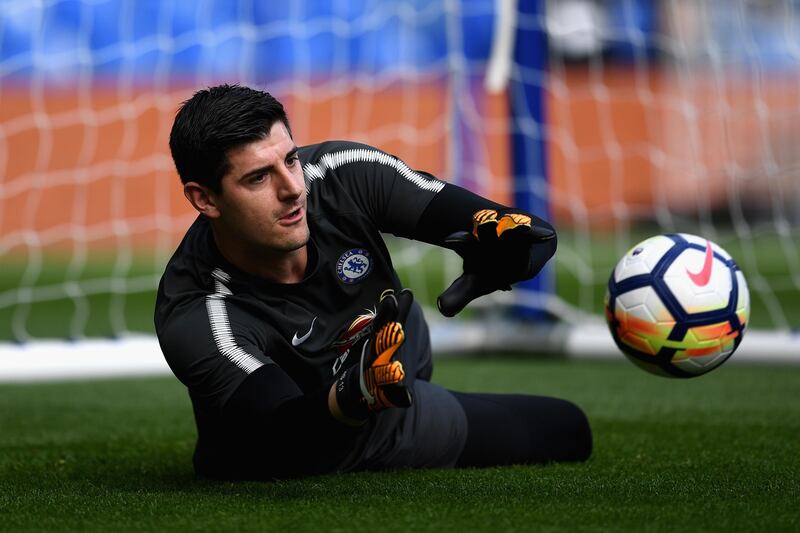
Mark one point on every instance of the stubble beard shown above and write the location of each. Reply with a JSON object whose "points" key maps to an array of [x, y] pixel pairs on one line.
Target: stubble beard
{"points": [[293, 244]]}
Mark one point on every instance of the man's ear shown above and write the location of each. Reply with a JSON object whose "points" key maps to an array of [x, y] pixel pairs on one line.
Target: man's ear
{"points": [[202, 199]]}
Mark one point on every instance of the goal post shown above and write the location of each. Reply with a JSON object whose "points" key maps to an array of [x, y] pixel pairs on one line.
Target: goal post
{"points": [[614, 120], [527, 109]]}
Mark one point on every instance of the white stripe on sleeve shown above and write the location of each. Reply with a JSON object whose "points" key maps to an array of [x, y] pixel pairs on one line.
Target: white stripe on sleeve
{"points": [[335, 160], [221, 326]]}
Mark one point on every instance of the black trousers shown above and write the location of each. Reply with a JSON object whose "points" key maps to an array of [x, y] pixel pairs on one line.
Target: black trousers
{"points": [[517, 429], [445, 428]]}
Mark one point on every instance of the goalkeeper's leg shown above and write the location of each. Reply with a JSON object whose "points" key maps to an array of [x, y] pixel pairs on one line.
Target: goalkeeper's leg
{"points": [[496, 428], [518, 429], [445, 429], [430, 433]]}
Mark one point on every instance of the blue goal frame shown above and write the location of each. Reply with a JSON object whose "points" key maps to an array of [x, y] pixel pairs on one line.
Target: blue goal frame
{"points": [[528, 140]]}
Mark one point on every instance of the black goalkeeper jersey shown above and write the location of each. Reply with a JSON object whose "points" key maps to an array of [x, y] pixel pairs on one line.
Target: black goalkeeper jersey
{"points": [[217, 324]]}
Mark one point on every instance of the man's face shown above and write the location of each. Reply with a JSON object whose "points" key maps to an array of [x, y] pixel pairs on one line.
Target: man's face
{"points": [[263, 199]]}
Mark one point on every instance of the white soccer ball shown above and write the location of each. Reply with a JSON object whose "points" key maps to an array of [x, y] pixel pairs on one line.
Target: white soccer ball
{"points": [[677, 305]]}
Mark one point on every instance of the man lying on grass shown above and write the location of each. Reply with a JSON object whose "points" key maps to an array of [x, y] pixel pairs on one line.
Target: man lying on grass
{"points": [[283, 315]]}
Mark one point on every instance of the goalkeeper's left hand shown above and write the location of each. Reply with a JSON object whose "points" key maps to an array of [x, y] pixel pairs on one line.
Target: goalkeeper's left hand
{"points": [[378, 381], [497, 253]]}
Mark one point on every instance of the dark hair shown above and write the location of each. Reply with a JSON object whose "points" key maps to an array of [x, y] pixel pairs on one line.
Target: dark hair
{"points": [[215, 120]]}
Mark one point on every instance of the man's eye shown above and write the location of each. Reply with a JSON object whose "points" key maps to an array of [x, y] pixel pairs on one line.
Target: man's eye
{"points": [[292, 160], [257, 179]]}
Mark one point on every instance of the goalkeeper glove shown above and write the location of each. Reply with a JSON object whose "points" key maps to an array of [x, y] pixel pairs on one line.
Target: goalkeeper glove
{"points": [[378, 381], [497, 253]]}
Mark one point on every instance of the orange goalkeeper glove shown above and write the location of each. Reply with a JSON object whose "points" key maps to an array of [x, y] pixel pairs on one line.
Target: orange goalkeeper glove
{"points": [[378, 381], [497, 253]]}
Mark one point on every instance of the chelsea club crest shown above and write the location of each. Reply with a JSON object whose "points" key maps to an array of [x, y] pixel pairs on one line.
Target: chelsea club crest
{"points": [[354, 265]]}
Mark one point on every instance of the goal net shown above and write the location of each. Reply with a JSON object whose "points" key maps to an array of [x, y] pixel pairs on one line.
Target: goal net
{"points": [[616, 120]]}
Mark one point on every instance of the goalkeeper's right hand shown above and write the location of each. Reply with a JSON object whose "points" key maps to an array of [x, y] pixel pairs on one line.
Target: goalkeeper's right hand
{"points": [[378, 381]]}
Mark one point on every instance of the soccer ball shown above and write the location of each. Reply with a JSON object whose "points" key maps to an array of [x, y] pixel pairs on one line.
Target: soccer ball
{"points": [[677, 305]]}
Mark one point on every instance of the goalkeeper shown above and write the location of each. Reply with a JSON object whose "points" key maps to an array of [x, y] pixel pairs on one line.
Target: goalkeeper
{"points": [[282, 314]]}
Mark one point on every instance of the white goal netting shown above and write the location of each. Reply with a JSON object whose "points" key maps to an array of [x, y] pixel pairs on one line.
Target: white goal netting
{"points": [[658, 117]]}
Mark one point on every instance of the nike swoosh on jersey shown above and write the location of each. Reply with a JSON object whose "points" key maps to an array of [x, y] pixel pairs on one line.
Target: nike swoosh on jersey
{"points": [[702, 278], [297, 341]]}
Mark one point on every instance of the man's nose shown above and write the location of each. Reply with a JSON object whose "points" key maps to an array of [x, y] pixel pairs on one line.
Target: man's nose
{"points": [[291, 186]]}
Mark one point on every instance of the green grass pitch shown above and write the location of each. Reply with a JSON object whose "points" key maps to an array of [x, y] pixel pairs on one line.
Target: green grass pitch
{"points": [[715, 453]]}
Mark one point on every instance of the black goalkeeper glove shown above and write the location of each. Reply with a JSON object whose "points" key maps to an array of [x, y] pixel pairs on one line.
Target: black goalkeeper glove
{"points": [[496, 254], [378, 381]]}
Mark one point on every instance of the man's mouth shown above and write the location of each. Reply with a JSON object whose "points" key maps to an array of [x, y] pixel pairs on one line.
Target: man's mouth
{"points": [[292, 217]]}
